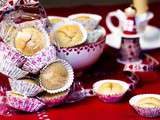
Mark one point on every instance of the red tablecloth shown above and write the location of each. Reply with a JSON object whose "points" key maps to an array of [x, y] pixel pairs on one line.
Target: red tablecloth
{"points": [[106, 67]]}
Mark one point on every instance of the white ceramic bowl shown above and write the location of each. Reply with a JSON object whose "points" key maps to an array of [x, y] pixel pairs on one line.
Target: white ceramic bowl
{"points": [[83, 56]]}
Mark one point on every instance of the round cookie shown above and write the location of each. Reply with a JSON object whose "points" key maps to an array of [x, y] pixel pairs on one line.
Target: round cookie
{"points": [[54, 76], [68, 36], [57, 76], [83, 18], [149, 102], [110, 88], [53, 99], [29, 41]]}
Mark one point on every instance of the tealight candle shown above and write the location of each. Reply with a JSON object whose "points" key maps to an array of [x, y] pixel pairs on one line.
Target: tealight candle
{"points": [[141, 6]]}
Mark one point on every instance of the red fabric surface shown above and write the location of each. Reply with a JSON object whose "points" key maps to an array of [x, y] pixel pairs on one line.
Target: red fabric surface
{"points": [[105, 68]]}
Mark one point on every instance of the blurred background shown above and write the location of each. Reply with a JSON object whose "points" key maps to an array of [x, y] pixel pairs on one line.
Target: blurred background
{"points": [[68, 3]]}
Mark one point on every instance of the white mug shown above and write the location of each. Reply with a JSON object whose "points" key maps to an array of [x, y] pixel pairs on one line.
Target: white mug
{"points": [[141, 20]]}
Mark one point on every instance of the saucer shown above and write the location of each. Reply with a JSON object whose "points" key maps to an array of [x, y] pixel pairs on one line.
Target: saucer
{"points": [[149, 40]]}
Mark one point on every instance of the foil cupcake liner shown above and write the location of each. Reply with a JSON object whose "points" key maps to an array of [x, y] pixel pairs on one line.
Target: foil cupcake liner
{"points": [[145, 111], [24, 103], [6, 28], [70, 77], [69, 22], [110, 97], [88, 24], [34, 63], [25, 88], [12, 55], [55, 100], [9, 69], [94, 35]]}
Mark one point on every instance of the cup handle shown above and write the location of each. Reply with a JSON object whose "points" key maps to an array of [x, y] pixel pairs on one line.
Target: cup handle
{"points": [[119, 15]]}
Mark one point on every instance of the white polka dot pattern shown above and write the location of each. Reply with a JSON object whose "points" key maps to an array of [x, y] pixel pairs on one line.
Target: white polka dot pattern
{"points": [[43, 115]]}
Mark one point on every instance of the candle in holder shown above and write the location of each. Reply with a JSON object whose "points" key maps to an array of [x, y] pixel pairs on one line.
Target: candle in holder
{"points": [[141, 6], [130, 50]]}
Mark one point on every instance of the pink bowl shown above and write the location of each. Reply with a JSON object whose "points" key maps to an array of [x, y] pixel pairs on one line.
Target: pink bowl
{"points": [[83, 56]]}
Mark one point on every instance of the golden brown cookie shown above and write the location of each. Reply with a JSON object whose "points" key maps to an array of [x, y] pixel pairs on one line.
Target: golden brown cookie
{"points": [[29, 41], [54, 76], [83, 18], [51, 96], [55, 20], [68, 36], [149, 102], [110, 88]]}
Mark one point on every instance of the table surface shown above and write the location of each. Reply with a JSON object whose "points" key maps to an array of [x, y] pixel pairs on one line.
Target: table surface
{"points": [[105, 68]]}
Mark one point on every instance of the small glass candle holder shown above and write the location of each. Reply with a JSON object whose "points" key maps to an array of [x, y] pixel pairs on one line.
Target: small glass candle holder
{"points": [[130, 50]]}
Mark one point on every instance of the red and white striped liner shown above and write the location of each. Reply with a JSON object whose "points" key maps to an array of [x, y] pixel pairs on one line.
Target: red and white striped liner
{"points": [[34, 63], [55, 100], [9, 69], [110, 97], [145, 111], [12, 55], [25, 88], [24, 103]]}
